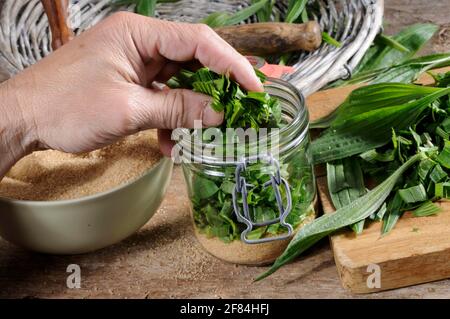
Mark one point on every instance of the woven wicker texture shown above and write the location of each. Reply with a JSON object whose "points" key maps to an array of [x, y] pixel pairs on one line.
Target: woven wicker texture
{"points": [[25, 35]]}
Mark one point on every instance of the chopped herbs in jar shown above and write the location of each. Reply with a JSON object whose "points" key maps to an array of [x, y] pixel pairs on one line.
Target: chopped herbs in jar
{"points": [[212, 181]]}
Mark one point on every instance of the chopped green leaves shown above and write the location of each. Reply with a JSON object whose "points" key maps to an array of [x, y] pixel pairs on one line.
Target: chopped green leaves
{"points": [[413, 194], [363, 125], [426, 209], [393, 134], [346, 184], [242, 109], [356, 211], [211, 193], [444, 156]]}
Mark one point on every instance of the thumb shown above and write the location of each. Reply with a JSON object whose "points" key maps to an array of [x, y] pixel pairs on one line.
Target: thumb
{"points": [[170, 109]]}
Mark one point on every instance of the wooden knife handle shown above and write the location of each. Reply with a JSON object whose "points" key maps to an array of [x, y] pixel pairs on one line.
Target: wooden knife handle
{"points": [[57, 13], [263, 39]]}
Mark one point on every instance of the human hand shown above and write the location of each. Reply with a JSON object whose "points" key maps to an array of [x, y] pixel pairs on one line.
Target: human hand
{"points": [[98, 87]]}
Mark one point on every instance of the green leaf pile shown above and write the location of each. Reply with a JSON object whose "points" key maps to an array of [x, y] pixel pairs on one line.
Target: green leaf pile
{"points": [[394, 134], [241, 108]]}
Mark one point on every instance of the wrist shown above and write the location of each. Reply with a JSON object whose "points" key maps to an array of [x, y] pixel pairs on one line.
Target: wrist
{"points": [[16, 138]]}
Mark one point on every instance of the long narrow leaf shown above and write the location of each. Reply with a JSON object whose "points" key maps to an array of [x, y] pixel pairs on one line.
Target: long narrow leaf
{"points": [[410, 70], [264, 15], [330, 40], [295, 10], [350, 214], [219, 19], [345, 181], [368, 130], [346, 184], [426, 209], [378, 96], [216, 19], [412, 38], [372, 97], [385, 39], [325, 121], [146, 7]]}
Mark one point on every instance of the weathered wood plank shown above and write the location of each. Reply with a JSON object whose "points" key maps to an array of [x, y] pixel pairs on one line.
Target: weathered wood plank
{"points": [[145, 265]]}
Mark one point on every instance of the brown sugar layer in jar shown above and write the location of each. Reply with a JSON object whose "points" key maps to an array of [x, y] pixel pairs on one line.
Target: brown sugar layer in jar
{"points": [[53, 175], [241, 253]]}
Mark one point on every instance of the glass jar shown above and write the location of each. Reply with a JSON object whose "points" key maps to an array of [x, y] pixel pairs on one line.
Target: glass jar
{"points": [[247, 204]]}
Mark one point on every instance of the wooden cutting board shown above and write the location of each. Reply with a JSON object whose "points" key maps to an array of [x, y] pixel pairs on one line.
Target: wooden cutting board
{"points": [[416, 251]]}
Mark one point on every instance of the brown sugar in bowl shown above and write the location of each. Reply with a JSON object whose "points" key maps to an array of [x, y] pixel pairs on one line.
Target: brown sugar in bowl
{"points": [[75, 204]]}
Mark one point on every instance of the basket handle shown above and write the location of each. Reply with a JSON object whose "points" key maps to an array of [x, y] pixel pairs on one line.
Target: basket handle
{"points": [[57, 13]]}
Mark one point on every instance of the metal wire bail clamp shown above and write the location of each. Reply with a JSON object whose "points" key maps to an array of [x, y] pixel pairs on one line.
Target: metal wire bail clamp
{"points": [[275, 181]]}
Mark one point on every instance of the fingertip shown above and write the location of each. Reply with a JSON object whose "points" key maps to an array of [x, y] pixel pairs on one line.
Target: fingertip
{"points": [[251, 82], [222, 58], [247, 77]]}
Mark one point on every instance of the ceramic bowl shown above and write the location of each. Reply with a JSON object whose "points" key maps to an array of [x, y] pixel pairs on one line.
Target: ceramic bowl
{"points": [[89, 223]]}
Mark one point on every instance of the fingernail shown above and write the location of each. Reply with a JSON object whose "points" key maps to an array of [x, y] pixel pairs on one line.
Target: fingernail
{"points": [[211, 117]]}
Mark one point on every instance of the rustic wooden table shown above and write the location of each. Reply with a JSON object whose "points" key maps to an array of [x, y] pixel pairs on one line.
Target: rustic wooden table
{"points": [[163, 260]]}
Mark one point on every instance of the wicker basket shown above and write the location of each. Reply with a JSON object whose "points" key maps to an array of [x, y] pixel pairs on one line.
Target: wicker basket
{"points": [[25, 35]]}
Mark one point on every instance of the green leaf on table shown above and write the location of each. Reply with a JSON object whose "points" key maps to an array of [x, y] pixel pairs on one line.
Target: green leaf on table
{"points": [[405, 72], [393, 213], [413, 194], [346, 184], [378, 96], [390, 59], [345, 181], [375, 156], [426, 209], [359, 130], [381, 212], [350, 214]]}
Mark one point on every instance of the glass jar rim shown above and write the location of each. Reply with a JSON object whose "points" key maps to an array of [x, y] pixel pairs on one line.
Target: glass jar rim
{"points": [[290, 135]]}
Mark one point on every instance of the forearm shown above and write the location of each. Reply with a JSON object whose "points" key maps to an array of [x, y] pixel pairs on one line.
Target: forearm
{"points": [[14, 138]]}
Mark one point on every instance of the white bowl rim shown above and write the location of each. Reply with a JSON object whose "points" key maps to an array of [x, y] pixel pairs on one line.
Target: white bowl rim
{"points": [[89, 198]]}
